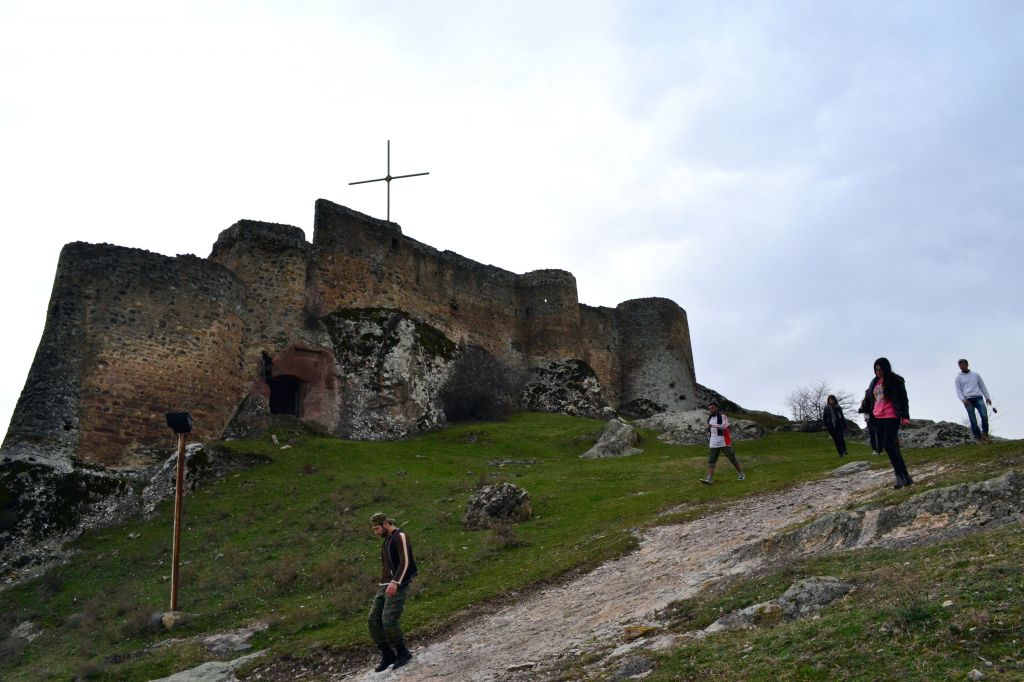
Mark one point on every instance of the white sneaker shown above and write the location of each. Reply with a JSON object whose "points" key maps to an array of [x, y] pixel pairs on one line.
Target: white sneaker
{"points": [[706, 481], [741, 477]]}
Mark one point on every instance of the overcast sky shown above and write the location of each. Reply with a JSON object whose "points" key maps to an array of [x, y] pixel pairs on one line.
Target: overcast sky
{"points": [[817, 184]]}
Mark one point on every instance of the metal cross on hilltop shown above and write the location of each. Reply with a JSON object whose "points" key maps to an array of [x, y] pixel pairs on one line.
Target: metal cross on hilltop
{"points": [[388, 178]]}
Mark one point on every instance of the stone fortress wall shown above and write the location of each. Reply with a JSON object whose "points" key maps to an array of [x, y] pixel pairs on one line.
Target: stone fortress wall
{"points": [[129, 335], [132, 334]]}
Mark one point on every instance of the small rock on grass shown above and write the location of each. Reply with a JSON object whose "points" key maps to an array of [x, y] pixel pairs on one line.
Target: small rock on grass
{"points": [[169, 619]]}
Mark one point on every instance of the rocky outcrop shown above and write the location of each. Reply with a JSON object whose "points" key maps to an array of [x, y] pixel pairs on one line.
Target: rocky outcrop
{"points": [[26, 630], [924, 433], [851, 469], [45, 507], [497, 504], [226, 644], [706, 395], [803, 598], [616, 440], [932, 515], [390, 372], [640, 408], [691, 427], [213, 671], [249, 420], [567, 386]]}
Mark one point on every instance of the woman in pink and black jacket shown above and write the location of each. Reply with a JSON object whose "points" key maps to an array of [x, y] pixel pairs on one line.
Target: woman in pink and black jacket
{"points": [[887, 395]]}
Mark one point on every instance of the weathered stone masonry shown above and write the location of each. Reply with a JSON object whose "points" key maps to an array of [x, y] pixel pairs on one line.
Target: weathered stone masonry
{"points": [[132, 334]]}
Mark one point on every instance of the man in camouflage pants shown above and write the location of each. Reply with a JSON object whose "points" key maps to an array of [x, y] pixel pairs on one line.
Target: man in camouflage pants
{"points": [[398, 568]]}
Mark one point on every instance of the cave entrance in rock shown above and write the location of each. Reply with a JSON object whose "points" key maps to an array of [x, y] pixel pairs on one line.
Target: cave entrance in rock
{"points": [[284, 396]]}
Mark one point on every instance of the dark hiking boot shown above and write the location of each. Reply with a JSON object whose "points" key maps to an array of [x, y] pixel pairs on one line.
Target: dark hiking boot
{"points": [[899, 483], [387, 657], [404, 656]]}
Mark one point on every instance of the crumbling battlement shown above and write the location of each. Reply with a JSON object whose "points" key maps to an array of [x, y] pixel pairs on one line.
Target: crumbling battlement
{"points": [[132, 334]]}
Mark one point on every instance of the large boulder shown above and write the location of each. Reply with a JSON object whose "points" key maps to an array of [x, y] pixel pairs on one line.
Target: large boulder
{"points": [[568, 386], [390, 370], [497, 504], [691, 427], [807, 596], [616, 440]]}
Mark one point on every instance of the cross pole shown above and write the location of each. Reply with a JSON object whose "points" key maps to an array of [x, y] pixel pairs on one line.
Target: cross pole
{"points": [[388, 178]]}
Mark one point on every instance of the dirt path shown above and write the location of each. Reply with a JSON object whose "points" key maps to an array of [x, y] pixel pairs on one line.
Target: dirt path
{"points": [[673, 562]]}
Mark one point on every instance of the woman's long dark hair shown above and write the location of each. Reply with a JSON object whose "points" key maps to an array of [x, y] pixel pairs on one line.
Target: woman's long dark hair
{"points": [[887, 376]]}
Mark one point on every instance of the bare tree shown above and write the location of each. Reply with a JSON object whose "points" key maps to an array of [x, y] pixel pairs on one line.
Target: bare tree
{"points": [[805, 403]]}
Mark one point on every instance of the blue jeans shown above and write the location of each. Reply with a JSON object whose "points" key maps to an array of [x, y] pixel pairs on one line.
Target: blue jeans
{"points": [[977, 403]]}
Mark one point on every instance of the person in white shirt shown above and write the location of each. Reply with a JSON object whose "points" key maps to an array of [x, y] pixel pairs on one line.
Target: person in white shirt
{"points": [[720, 443], [971, 390]]}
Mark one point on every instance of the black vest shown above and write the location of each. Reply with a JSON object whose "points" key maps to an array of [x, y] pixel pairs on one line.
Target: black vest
{"points": [[390, 553]]}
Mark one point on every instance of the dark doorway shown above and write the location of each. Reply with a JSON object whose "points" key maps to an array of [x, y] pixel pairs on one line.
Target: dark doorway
{"points": [[284, 396]]}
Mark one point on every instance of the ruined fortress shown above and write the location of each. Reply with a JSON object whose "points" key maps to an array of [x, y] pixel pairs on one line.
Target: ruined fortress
{"points": [[272, 322]]}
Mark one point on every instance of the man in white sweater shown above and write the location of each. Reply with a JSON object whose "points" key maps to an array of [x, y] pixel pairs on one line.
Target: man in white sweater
{"points": [[971, 390]]}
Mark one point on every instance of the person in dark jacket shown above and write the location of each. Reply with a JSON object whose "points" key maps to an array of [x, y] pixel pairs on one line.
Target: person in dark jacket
{"points": [[869, 419], [835, 423], [891, 409], [398, 568]]}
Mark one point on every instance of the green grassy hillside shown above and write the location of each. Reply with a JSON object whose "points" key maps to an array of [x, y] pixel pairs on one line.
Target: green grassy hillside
{"points": [[288, 541]]}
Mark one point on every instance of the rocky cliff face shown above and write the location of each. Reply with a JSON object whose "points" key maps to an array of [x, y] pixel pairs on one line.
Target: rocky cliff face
{"points": [[42, 507], [390, 373], [568, 386]]}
